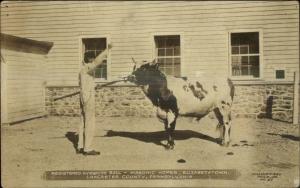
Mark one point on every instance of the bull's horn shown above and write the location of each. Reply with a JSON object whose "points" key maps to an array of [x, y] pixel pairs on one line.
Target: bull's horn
{"points": [[134, 67], [133, 60]]}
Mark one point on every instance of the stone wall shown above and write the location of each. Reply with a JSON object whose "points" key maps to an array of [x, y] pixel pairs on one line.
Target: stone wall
{"points": [[68, 106], [250, 101], [110, 102], [264, 101], [123, 101]]}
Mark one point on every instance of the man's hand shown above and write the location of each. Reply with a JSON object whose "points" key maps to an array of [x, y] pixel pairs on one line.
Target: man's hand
{"points": [[109, 46]]}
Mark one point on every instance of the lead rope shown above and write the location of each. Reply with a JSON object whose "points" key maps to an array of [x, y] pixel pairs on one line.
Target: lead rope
{"points": [[97, 87]]}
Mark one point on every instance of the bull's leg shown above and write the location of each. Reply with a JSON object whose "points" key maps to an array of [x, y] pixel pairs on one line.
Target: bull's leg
{"points": [[220, 125], [225, 113], [162, 116], [171, 120], [225, 110], [227, 134], [227, 129]]}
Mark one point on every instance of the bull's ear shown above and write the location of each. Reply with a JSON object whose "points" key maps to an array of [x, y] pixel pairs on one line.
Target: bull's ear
{"points": [[153, 62]]}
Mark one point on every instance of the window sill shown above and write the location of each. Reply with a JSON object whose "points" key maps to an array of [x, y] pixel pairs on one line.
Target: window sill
{"points": [[101, 80], [245, 78]]}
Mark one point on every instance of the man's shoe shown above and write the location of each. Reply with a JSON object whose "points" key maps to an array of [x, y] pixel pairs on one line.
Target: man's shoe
{"points": [[93, 152], [79, 150]]}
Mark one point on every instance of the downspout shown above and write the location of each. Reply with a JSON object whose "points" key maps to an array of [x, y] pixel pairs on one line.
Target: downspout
{"points": [[296, 98]]}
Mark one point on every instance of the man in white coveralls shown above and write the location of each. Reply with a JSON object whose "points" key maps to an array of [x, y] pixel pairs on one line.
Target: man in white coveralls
{"points": [[87, 103]]}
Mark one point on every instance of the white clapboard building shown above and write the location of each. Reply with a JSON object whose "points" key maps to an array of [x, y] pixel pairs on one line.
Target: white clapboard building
{"points": [[256, 43]]}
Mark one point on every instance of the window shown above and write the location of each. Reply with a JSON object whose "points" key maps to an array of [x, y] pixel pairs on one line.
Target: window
{"points": [[92, 47], [280, 74], [167, 51], [245, 54]]}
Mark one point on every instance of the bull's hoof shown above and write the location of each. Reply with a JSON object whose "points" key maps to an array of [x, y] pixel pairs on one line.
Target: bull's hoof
{"points": [[169, 146], [220, 141], [224, 144]]}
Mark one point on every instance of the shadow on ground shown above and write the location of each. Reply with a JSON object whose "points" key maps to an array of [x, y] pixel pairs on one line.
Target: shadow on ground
{"points": [[72, 137], [287, 136], [159, 136]]}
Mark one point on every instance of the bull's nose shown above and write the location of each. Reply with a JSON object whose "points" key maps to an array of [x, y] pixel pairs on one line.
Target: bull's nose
{"points": [[131, 78]]}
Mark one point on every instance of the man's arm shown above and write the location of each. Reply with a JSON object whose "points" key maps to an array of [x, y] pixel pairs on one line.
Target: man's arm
{"points": [[99, 59]]}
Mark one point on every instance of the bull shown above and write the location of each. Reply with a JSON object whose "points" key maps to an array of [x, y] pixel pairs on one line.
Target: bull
{"points": [[189, 97]]}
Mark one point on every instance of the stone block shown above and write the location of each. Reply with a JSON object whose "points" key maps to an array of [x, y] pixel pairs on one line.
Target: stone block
{"points": [[261, 115]]}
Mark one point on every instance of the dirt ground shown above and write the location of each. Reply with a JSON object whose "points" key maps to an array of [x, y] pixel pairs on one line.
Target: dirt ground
{"points": [[30, 148]]}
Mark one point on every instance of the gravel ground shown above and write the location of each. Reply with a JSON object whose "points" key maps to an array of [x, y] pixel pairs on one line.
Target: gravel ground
{"points": [[30, 148]]}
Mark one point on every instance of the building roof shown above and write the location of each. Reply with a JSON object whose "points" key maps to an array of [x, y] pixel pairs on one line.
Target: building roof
{"points": [[20, 44]]}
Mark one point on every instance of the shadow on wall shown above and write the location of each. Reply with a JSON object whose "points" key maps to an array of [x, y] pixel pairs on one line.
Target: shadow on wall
{"points": [[269, 107]]}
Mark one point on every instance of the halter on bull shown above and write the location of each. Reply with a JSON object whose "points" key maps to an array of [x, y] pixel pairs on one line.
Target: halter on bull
{"points": [[176, 97]]}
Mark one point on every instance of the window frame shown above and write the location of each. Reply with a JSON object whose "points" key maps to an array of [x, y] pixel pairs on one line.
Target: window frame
{"points": [[181, 36], [260, 54], [108, 61]]}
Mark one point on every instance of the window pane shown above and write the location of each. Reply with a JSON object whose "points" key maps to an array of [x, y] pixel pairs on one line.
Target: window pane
{"points": [[161, 52], [177, 51], [170, 52], [177, 61], [235, 59], [94, 43], [235, 50], [254, 49], [254, 62], [160, 42], [236, 65], [173, 41], [100, 44], [245, 70], [244, 49], [250, 39], [167, 41], [245, 65], [101, 71], [169, 61], [161, 61], [245, 60]]}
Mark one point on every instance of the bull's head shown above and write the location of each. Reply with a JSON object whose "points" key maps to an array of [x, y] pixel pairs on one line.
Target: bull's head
{"points": [[146, 73]]}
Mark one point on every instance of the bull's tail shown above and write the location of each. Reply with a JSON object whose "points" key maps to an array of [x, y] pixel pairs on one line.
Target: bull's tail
{"points": [[231, 86]]}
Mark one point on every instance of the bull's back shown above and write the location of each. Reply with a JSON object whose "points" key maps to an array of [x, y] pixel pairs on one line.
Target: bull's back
{"points": [[212, 91]]}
